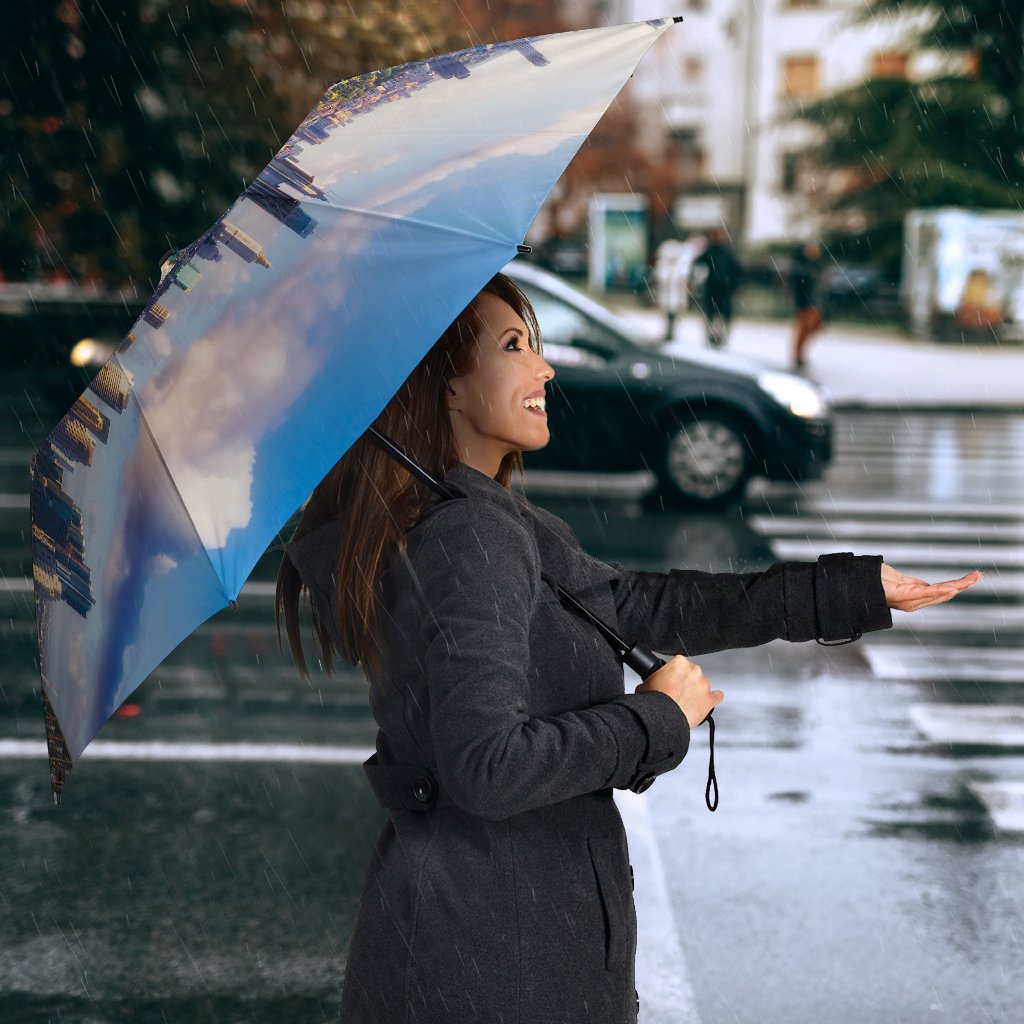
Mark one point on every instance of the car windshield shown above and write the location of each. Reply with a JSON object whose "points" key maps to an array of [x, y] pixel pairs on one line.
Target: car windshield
{"points": [[563, 325]]}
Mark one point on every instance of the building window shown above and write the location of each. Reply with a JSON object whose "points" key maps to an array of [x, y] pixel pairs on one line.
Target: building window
{"points": [[687, 152], [796, 174], [800, 76], [693, 69], [889, 64], [790, 172]]}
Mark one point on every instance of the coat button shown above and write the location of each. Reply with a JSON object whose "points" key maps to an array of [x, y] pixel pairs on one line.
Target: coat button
{"points": [[643, 783], [423, 789]]}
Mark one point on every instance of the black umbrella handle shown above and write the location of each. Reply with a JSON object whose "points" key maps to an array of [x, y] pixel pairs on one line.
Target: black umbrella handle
{"points": [[642, 661], [645, 663]]}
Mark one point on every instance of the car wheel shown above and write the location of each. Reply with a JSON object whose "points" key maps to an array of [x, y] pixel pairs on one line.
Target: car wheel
{"points": [[705, 461]]}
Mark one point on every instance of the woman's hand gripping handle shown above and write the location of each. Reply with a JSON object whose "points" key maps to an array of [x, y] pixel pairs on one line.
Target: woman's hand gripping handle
{"points": [[687, 685]]}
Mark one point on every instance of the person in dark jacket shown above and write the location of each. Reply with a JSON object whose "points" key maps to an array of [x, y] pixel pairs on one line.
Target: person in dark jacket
{"points": [[803, 280], [500, 887], [721, 275]]}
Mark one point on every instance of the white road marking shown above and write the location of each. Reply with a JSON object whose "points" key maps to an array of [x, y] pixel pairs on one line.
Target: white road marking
{"points": [[16, 584], [1004, 802], [827, 506], [259, 589], [970, 725], [971, 556], [16, 457], [551, 481], [962, 618], [985, 457], [906, 529], [953, 664], [24, 585], [259, 753], [662, 974]]}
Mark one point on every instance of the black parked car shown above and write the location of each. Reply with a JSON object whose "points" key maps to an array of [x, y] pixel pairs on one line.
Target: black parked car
{"points": [[702, 423]]}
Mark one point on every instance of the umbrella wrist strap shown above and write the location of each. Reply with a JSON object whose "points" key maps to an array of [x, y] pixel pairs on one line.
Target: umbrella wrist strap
{"points": [[712, 802]]}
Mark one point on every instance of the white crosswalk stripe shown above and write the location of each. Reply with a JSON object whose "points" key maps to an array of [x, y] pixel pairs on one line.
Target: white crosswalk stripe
{"points": [[827, 504], [971, 556], [855, 529], [952, 521], [987, 725], [1004, 802], [945, 663]]}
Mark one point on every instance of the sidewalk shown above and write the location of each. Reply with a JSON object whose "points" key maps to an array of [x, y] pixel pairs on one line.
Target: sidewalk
{"points": [[867, 366]]}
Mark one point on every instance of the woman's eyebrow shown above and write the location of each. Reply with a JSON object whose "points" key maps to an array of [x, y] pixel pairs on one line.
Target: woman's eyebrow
{"points": [[515, 330]]}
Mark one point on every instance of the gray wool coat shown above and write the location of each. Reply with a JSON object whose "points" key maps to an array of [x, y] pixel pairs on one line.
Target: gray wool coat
{"points": [[500, 888]]}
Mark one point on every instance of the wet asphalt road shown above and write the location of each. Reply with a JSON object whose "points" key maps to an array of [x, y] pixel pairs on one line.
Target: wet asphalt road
{"points": [[861, 866]]}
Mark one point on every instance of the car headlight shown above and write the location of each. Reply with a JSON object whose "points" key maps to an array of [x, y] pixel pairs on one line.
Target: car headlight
{"points": [[799, 397], [90, 352]]}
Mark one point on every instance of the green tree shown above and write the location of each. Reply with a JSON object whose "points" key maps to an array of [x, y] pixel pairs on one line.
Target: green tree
{"points": [[956, 138], [130, 125]]}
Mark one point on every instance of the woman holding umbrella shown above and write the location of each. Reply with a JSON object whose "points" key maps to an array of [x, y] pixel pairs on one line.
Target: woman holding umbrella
{"points": [[500, 886]]}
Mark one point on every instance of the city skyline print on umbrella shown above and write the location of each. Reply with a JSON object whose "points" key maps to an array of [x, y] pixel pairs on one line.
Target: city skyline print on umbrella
{"points": [[277, 337]]}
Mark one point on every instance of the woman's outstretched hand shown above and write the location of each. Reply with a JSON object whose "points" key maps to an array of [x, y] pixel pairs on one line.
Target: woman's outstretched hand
{"points": [[687, 685], [908, 593]]}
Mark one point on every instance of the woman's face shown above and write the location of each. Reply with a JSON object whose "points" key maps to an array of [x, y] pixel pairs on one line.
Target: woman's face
{"points": [[489, 412]]}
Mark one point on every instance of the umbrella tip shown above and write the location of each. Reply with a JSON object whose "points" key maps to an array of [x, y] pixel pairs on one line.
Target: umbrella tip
{"points": [[523, 250], [678, 18]]}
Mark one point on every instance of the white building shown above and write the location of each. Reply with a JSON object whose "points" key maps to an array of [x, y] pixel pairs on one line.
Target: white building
{"points": [[724, 84]]}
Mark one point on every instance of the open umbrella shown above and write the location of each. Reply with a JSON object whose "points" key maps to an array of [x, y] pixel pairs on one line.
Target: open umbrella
{"points": [[278, 336]]}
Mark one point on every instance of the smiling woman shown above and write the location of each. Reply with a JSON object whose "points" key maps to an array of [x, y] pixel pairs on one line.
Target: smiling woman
{"points": [[498, 407], [500, 886], [495, 335]]}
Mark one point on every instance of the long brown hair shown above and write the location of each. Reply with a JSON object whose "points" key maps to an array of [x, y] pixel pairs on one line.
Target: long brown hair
{"points": [[374, 499]]}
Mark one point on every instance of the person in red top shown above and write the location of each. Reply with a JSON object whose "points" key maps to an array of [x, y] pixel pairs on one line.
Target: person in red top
{"points": [[803, 280]]}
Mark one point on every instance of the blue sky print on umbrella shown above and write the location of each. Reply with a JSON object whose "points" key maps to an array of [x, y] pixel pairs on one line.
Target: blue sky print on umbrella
{"points": [[277, 337]]}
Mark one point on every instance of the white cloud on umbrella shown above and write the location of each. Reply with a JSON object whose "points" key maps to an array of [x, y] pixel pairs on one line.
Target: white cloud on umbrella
{"points": [[209, 411]]}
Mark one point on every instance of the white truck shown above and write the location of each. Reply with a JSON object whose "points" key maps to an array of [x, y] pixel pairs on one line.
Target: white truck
{"points": [[963, 274]]}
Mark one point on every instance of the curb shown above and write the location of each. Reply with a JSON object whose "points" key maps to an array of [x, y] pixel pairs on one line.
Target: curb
{"points": [[861, 406]]}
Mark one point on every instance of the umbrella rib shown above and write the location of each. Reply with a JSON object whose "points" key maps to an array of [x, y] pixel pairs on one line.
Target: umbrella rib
{"points": [[174, 483], [447, 228]]}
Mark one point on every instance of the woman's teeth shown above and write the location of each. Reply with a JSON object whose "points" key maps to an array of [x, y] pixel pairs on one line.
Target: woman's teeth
{"points": [[535, 403]]}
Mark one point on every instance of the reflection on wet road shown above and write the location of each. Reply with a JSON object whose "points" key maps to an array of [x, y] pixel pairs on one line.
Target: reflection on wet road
{"points": [[863, 865]]}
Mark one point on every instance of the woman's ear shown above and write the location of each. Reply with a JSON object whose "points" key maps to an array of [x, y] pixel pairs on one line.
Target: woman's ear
{"points": [[452, 398]]}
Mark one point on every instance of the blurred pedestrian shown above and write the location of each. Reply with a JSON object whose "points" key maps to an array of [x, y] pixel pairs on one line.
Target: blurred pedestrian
{"points": [[500, 885], [721, 272], [672, 266], [803, 280]]}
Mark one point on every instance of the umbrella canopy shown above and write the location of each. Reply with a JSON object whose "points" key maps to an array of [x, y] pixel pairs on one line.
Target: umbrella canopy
{"points": [[278, 336]]}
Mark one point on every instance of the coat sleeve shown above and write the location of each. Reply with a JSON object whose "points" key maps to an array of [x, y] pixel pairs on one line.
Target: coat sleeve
{"points": [[839, 597], [477, 571]]}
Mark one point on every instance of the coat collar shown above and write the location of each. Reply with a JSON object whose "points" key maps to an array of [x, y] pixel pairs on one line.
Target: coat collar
{"points": [[315, 555], [561, 555], [474, 484]]}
